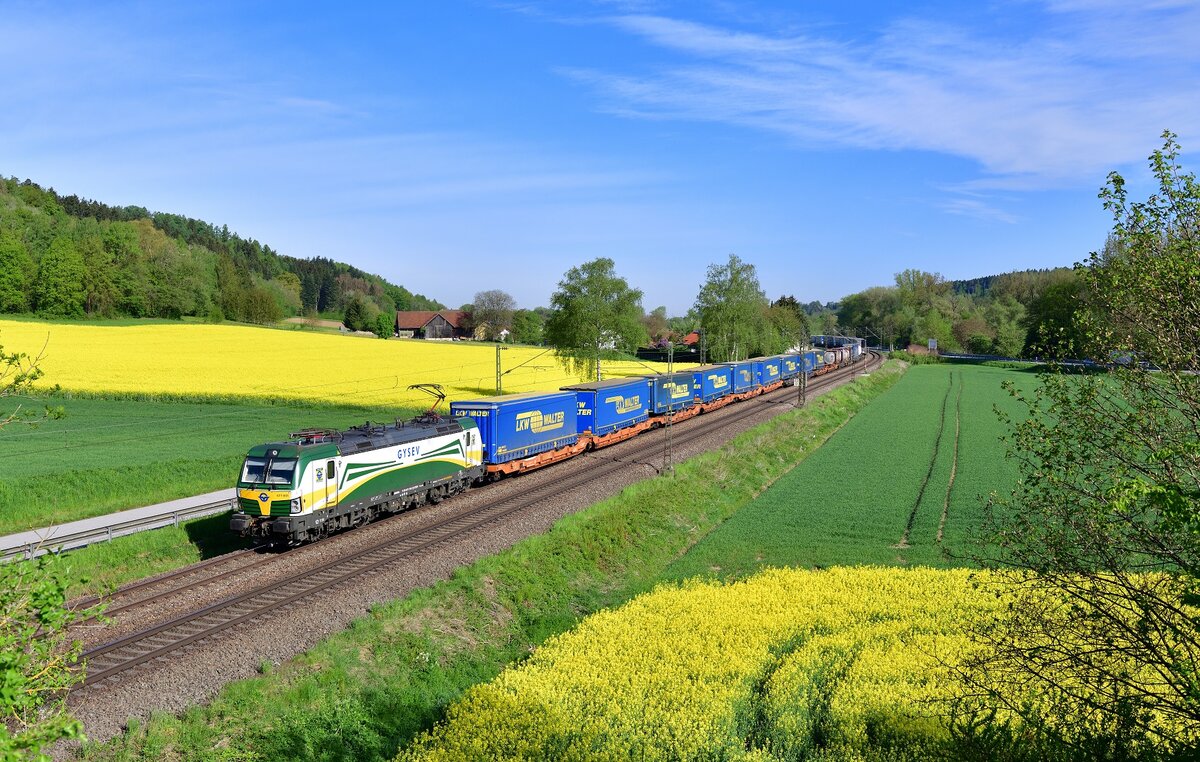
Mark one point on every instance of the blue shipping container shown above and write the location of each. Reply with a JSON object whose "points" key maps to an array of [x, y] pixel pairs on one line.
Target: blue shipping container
{"points": [[744, 376], [514, 426], [603, 407], [769, 370], [758, 371], [669, 392], [791, 365], [711, 382], [812, 361]]}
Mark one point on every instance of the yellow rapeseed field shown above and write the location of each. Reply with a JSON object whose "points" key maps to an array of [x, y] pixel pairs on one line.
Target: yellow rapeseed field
{"points": [[746, 670], [847, 663], [244, 361]]}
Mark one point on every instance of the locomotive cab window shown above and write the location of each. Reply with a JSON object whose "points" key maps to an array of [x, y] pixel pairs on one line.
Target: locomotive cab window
{"points": [[281, 471], [253, 470], [277, 471]]}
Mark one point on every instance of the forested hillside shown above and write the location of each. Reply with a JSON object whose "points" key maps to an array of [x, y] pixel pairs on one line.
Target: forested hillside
{"points": [[63, 256]]}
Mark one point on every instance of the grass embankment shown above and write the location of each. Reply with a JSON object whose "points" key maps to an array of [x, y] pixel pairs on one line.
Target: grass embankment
{"points": [[880, 492], [108, 455], [366, 692]]}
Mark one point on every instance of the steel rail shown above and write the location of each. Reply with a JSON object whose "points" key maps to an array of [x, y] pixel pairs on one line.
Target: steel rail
{"points": [[184, 571]]}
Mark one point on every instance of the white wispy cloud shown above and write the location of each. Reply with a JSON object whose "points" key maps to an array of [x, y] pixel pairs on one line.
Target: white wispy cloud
{"points": [[978, 208], [92, 88], [1085, 85]]}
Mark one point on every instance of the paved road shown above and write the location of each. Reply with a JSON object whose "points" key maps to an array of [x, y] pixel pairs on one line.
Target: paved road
{"points": [[77, 534]]}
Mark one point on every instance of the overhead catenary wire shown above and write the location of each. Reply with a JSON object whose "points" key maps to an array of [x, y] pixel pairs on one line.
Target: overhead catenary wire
{"points": [[531, 359]]}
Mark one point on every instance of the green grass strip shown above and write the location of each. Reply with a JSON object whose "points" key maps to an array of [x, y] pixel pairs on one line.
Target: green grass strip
{"points": [[364, 693], [109, 455], [850, 501], [57, 395]]}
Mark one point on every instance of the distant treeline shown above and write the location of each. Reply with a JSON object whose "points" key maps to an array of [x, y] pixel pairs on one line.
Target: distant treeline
{"points": [[1015, 314], [63, 256]]}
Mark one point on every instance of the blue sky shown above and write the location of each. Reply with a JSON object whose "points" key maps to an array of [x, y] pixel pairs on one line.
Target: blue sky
{"points": [[462, 145]]}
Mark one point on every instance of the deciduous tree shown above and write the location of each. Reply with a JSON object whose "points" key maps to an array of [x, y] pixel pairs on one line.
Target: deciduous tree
{"points": [[16, 271], [59, 288], [528, 327], [655, 322], [785, 330], [232, 285], [494, 308], [100, 294], [921, 290], [385, 325], [594, 311], [790, 303], [731, 304], [1052, 327], [262, 308]]}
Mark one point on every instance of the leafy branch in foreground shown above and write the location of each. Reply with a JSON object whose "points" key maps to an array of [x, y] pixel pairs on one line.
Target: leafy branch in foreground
{"points": [[38, 658], [18, 372]]}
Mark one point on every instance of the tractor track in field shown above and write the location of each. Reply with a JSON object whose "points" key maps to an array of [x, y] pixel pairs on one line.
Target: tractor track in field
{"points": [[953, 462], [937, 444], [407, 550]]}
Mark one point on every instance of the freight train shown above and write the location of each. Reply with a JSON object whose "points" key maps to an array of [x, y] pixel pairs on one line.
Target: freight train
{"points": [[321, 481]]}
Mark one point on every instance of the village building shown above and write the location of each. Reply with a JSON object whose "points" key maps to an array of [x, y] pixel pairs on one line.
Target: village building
{"points": [[428, 324]]}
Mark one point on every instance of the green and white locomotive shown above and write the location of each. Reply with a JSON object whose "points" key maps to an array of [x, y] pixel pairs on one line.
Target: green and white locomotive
{"points": [[320, 481]]}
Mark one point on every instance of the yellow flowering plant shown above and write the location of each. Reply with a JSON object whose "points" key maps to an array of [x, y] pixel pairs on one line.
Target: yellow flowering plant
{"points": [[238, 362]]}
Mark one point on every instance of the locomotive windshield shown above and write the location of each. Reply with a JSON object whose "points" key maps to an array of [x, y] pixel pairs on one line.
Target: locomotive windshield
{"points": [[275, 471], [253, 470]]}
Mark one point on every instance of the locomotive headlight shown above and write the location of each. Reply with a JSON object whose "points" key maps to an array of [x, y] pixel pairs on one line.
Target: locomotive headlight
{"points": [[296, 504]]}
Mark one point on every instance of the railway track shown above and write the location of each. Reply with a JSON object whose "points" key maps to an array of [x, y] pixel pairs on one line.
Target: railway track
{"points": [[115, 598], [111, 659]]}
